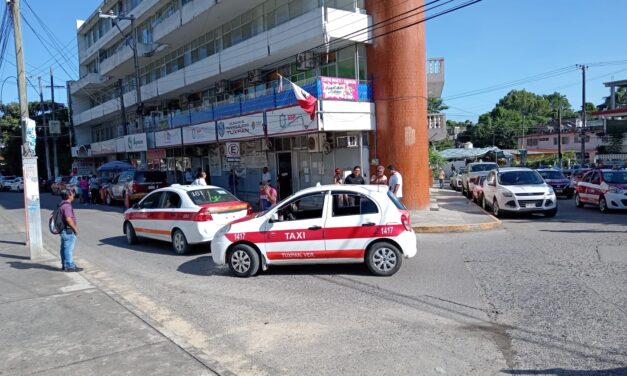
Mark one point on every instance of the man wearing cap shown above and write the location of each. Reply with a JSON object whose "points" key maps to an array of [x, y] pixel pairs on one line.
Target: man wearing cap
{"points": [[396, 182]]}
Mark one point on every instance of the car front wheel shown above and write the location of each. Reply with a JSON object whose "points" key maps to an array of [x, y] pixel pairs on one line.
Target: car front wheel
{"points": [[108, 199], [603, 205], [179, 242], [384, 259], [131, 236], [495, 209], [578, 201], [243, 261]]}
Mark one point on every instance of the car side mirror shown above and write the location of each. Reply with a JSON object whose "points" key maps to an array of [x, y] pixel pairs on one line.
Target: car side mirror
{"points": [[493, 184], [135, 206]]}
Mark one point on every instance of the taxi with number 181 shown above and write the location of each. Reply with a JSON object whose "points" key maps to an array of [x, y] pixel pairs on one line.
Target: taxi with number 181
{"points": [[321, 225]]}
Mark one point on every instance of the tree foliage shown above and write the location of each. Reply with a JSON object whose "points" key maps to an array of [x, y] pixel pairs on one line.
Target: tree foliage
{"points": [[435, 105]]}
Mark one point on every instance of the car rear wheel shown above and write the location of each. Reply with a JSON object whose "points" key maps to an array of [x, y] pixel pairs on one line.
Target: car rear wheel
{"points": [[484, 203], [243, 261], [131, 236], [179, 242], [384, 259], [578, 201], [603, 205], [108, 199]]}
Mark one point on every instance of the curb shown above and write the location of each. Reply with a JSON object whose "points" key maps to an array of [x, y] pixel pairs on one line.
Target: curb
{"points": [[473, 227]]}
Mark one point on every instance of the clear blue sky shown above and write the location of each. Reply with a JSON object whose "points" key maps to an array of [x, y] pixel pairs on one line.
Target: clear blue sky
{"points": [[487, 44]]}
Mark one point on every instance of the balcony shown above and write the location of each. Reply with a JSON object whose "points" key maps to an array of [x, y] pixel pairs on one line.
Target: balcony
{"points": [[90, 82], [437, 127], [435, 77], [121, 62]]}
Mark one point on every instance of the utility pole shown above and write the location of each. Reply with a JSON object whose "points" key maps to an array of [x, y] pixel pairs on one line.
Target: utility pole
{"points": [[583, 112], [54, 118], [45, 126], [32, 212], [122, 109], [559, 136]]}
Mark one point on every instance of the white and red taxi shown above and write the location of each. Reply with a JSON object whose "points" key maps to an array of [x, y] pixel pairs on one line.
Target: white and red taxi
{"points": [[183, 215], [321, 225], [605, 188]]}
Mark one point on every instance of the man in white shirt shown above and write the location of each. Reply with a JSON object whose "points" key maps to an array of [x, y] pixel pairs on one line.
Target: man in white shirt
{"points": [[396, 182], [200, 180], [266, 177]]}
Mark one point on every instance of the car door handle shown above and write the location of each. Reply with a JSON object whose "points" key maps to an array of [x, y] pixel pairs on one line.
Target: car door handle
{"points": [[315, 228], [367, 224]]}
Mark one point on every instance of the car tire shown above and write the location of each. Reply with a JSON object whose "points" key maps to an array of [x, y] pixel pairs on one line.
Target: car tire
{"points": [[603, 205], [243, 261], [484, 203], [108, 199], [495, 209], [551, 213], [131, 236], [179, 242], [578, 202], [384, 259]]}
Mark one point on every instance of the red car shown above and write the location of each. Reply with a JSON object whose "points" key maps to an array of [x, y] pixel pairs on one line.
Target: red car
{"points": [[605, 188]]}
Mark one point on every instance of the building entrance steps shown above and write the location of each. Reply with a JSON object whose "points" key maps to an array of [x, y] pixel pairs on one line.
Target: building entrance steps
{"points": [[452, 212]]}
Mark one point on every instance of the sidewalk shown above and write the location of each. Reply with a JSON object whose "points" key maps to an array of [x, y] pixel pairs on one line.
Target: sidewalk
{"points": [[454, 213], [58, 323]]}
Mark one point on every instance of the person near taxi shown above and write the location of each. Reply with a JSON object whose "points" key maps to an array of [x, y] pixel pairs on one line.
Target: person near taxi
{"points": [[396, 182], [84, 186], [93, 190], [379, 177], [441, 177], [69, 233], [189, 178], [266, 177], [355, 177], [337, 178], [267, 196], [200, 179]]}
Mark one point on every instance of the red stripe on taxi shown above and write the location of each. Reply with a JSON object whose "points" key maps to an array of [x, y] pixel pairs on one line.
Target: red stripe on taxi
{"points": [[331, 233], [334, 254]]}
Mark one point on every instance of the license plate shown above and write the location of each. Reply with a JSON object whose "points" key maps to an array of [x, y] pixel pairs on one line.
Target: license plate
{"points": [[530, 205], [559, 190], [151, 187]]}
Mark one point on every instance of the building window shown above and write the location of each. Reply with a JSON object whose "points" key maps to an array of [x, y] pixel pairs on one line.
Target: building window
{"points": [[554, 140], [565, 140], [532, 142]]}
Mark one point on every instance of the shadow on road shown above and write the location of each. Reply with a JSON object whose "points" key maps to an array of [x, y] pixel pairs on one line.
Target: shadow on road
{"points": [[12, 242], [203, 265], [26, 265], [567, 372], [148, 246]]}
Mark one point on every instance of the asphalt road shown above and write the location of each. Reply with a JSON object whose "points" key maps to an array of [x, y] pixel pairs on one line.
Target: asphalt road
{"points": [[540, 296]]}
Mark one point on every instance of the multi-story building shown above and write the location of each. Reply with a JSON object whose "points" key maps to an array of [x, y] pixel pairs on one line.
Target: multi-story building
{"points": [[614, 118], [435, 83], [209, 75]]}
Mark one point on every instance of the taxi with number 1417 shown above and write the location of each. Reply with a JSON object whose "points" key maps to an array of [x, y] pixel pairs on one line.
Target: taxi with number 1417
{"points": [[183, 214], [321, 225]]}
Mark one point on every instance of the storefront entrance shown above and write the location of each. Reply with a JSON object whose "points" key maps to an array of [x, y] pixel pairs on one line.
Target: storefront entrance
{"points": [[284, 174]]}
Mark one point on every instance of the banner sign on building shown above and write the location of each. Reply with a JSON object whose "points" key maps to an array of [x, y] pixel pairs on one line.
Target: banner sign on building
{"points": [[106, 147], [290, 120], [232, 151], [334, 88], [168, 138], [120, 146], [155, 154], [200, 134], [242, 127], [96, 148], [135, 142]]}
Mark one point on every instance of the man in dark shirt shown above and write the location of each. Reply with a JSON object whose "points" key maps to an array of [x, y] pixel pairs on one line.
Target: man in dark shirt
{"points": [[355, 177], [69, 233]]}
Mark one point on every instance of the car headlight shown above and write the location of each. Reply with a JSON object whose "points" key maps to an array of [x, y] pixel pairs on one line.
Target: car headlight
{"points": [[550, 191], [615, 190], [506, 193]]}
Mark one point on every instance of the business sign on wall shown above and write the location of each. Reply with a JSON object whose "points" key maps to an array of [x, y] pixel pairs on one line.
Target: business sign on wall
{"points": [[135, 142], [201, 133], [155, 154], [107, 147], [96, 148], [241, 127], [334, 88], [169, 138], [120, 144], [290, 120]]}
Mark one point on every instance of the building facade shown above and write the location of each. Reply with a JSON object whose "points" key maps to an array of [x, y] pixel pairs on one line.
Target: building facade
{"points": [[211, 94]]}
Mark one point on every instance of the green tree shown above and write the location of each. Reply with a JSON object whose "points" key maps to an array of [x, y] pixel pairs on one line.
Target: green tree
{"points": [[620, 97], [436, 161], [435, 105], [557, 101]]}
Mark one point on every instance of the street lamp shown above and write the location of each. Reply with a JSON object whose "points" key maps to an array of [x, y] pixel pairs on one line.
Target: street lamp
{"points": [[114, 18]]}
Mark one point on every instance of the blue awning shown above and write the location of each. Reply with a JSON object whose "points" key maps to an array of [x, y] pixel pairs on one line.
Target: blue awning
{"points": [[115, 166], [475, 153]]}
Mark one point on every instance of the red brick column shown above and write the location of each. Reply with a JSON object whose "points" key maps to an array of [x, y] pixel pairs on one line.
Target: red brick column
{"points": [[397, 67]]}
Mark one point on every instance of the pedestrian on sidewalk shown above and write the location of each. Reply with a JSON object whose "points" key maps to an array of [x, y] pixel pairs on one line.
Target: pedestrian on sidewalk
{"points": [[200, 179], [266, 177], [379, 177], [93, 190], [355, 177], [396, 182], [267, 196], [337, 178], [69, 233], [84, 186], [441, 178], [189, 178]]}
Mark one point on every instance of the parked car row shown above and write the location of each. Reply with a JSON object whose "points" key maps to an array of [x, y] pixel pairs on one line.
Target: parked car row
{"points": [[12, 183]]}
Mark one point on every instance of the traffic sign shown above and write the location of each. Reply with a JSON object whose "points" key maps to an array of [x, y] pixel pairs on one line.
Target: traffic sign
{"points": [[55, 126], [232, 151]]}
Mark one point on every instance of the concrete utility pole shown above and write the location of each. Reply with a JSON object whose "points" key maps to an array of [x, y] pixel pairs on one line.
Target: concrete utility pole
{"points": [[583, 112], [32, 211], [54, 118], [559, 136], [45, 126]]}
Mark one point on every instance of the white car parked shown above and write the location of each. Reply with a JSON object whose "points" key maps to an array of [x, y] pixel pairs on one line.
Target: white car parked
{"points": [[321, 225], [183, 215], [518, 190], [17, 185]]}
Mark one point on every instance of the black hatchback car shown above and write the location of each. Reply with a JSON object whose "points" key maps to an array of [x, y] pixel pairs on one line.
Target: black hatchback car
{"points": [[560, 183]]}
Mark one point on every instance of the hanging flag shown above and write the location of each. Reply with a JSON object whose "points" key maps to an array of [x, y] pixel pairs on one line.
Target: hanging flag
{"points": [[305, 100]]}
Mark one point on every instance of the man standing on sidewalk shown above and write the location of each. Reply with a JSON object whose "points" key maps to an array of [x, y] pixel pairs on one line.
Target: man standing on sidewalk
{"points": [[441, 177], [69, 232], [396, 182], [355, 177]]}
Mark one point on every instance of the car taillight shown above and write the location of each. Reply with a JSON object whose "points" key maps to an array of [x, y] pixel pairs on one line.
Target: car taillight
{"points": [[203, 215], [249, 210], [406, 221]]}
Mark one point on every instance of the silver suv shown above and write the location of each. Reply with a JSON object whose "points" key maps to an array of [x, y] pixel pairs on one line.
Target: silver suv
{"points": [[474, 172]]}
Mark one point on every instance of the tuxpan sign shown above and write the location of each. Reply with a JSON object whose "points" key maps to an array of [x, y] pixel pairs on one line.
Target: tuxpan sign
{"points": [[200, 133], [135, 142], [290, 120], [241, 127]]}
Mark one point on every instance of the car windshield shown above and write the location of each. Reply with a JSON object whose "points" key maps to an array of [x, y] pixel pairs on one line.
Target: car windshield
{"points": [[615, 177], [483, 167], [552, 175], [519, 178], [210, 196], [149, 176]]}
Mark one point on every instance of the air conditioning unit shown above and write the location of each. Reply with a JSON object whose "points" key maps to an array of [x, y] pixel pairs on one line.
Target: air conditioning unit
{"points": [[305, 61], [254, 76], [347, 142], [222, 86], [316, 142]]}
